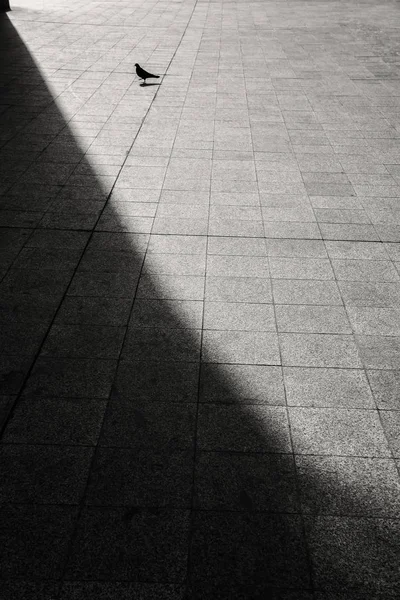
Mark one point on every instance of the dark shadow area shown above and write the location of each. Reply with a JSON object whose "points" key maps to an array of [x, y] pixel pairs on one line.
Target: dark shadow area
{"points": [[148, 84], [4, 6], [132, 467]]}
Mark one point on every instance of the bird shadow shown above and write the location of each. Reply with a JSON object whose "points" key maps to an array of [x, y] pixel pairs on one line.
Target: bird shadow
{"points": [[148, 84]]}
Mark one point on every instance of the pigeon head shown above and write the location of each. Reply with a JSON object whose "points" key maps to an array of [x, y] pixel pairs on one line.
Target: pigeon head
{"points": [[136, 64]]}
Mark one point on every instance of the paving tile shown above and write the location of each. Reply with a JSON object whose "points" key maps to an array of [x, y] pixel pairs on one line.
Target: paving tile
{"points": [[170, 314], [330, 189], [14, 590], [238, 289], [166, 426], [354, 553], [234, 213], [393, 251], [379, 352], [391, 422], [336, 202], [184, 197], [385, 387], [355, 595], [69, 421], [71, 377], [141, 478], [323, 164], [239, 316], [319, 350], [297, 291], [316, 177], [13, 370], [179, 244], [356, 250], [312, 319], [104, 284], [43, 474], [135, 195], [155, 381], [172, 225], [333, 431], [243, 429], [6, 406], [27, 308], [374, 294], [73, 590], [21, 337], [377, 190], [171, 287], [292, 230], [365, 270], [336, 388], [174, 264], [221, 547], [48, 283], [345, 231], [368, 486], [286, 205], [243, 384], [337, 215], [14, 239], [130, 544], [83, 341], [36, 538], [123, 223], [230, 169], [374, 321], [300, 268], [296, 248], [94, 311], [60, 259], [110, 262], [243, 347], [281, 215], [245, 482], [78, 222], [237, 266], [235, 227], [162, 344], [221, 198]]}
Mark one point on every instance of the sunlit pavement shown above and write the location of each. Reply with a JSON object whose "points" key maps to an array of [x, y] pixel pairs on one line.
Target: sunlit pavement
{"points": [[200, 300]]}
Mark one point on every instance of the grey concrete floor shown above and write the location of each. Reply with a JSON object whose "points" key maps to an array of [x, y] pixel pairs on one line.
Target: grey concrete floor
{"points": [[200, 300]]}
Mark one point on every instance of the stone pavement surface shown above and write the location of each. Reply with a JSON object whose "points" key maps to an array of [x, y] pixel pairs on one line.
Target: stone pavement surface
{"points": [[200, 300]]}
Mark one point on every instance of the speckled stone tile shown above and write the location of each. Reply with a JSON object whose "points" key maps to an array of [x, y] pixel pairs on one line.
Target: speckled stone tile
{"points": [[368, 486], [101, 590], [345, 432], [354, 552], [320, 387], [277, 542], [129, 544]]}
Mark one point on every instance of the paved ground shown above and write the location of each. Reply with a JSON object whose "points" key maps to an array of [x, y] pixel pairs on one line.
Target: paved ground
{"points": [[200, 331]]}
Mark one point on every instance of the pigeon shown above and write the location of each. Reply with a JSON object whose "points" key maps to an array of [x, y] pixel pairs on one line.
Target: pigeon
{"points": [[142, 74]]}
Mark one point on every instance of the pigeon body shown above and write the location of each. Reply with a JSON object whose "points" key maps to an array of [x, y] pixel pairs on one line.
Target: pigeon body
{"points": [[142, 74]]}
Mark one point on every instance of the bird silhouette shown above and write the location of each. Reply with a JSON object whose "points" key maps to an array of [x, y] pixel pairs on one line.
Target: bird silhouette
{"points": [[142, 74]]}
